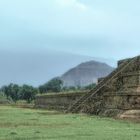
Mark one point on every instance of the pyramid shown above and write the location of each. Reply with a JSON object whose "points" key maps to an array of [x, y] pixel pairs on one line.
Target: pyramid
{"points": [[118, 94]]}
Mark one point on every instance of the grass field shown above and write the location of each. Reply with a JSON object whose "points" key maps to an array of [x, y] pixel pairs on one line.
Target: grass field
{"points": [[31, 124]]}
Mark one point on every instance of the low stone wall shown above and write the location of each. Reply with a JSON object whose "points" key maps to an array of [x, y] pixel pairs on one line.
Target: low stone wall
{"points": [[58, 101], [115, 104]]}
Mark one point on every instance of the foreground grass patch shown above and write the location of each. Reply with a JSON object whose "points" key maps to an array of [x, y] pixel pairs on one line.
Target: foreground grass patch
{"points": [[29, 124]]}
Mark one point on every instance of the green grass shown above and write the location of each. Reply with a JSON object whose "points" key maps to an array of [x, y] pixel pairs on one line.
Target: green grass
{"points": [[31, 124]]}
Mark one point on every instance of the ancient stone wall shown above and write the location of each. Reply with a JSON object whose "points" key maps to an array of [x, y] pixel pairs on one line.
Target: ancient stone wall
{"points": [[58, 101], [121, 94]]}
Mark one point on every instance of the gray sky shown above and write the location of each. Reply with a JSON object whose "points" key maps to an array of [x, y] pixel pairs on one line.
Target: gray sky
{"points": [[41, 39], [98, 28]]}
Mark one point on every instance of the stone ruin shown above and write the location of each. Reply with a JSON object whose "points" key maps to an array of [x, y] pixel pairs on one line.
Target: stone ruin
{"points": [[117, 95]]}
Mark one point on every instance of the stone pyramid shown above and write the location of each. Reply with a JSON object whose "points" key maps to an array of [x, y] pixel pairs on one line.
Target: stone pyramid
{"points": [[118, 94]]}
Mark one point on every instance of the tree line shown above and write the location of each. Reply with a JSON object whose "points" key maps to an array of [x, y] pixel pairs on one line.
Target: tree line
{"points": [[16, 92], [28, 93]]}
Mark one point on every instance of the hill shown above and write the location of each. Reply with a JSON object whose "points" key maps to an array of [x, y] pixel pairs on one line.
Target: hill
{"points": [[86, 73]]}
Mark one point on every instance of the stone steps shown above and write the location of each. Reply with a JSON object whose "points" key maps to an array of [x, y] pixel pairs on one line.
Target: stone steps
{"points": [[131, 115], [75, 107]]}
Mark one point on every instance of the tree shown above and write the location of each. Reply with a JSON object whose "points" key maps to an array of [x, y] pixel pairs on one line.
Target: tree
{"points": [[28, 93], [54, 85], [11, 91], [5, 90], [72, 88], [43, 88], [14, 92], [90, 87]]}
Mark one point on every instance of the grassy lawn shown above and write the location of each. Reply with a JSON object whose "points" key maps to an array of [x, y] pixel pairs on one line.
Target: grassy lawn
{"points": [[29, 124]]}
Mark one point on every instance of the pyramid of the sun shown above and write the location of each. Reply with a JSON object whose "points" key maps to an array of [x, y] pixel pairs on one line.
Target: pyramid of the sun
{"points": [[116, 94]]}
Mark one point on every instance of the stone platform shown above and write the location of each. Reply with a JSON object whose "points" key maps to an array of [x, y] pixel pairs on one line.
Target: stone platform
{"points": [[117, 95]]}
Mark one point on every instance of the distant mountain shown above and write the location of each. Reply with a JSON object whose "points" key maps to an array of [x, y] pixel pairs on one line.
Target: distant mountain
{"points": [[86, 73]]}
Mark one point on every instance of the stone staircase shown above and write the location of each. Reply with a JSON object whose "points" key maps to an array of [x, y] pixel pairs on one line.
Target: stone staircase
{"points": [[76, 106], [131, 115]]}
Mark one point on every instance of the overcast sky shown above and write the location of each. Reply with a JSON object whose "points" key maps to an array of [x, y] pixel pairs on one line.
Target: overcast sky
{"points": [[98, 28]]}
